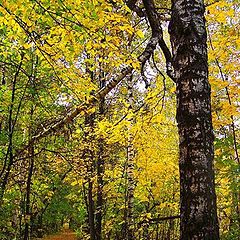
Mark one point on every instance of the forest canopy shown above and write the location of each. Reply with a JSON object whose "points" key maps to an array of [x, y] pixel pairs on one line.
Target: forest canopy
{"points": [[89, 94]]}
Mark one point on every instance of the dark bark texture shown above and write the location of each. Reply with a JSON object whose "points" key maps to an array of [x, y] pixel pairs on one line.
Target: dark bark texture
{"points": [[198, 200]]}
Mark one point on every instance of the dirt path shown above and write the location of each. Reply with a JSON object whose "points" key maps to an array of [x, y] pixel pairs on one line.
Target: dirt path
{"points": [[66, 235]]}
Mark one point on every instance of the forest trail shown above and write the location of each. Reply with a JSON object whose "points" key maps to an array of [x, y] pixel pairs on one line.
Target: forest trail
{"points": [[66, 235]]}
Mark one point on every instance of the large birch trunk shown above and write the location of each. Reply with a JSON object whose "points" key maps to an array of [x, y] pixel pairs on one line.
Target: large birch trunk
{"points": [[198, 200]]}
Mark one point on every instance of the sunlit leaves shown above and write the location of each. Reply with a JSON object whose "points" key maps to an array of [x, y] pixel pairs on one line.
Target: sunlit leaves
{"points": [[223, 31]]}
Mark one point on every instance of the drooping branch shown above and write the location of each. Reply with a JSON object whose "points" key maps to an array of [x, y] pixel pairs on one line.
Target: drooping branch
{"points": [[154, 21], [150, 12]]}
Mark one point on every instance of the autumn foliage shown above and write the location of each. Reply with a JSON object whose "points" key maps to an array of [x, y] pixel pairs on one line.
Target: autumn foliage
{"points": [[78, 92]]}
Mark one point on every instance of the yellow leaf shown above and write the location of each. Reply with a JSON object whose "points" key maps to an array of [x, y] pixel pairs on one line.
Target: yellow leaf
{"points": [[140, 34]]}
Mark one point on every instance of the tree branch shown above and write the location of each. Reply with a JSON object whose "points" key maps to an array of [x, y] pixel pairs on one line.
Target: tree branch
{"points": [[157, 31], [132, 5]]}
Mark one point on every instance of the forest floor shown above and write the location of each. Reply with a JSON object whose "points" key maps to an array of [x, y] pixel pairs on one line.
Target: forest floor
{"points": [[66, 235]]}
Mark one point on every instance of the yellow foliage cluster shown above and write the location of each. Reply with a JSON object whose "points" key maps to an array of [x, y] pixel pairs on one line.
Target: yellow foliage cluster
{"points": [[224, 48]]}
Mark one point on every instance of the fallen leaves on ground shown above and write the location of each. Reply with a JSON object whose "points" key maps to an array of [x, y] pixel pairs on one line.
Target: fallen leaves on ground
{"points": [[66, 235]]}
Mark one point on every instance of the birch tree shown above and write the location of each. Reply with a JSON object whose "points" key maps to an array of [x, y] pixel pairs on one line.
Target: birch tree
{"points": [[198, 200]]}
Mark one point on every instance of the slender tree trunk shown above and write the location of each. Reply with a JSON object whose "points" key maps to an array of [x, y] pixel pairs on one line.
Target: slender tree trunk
{"points": [[198, 200], [99, 202], [91, 210], [88, 157], [28, 194], [88, 193], [28, 217], [9, 159], [100, 171], [130, 168]]}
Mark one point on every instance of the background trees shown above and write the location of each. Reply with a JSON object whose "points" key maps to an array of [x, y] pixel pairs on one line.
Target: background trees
{"points": [[64, 135]]}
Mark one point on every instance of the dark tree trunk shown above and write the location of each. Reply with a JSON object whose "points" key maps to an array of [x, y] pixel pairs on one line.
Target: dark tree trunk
{"points": [[28, 194], [28, 217], [88, 156], [91, 210], [100, 169], [28, 213], [89, 159], [198, 200], [99, 203], [9, 158]]}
